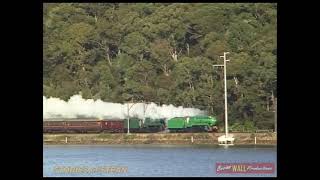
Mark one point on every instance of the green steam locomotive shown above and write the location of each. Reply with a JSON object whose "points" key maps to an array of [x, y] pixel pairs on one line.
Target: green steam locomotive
{"points": [[177, 124], [193, 124]]}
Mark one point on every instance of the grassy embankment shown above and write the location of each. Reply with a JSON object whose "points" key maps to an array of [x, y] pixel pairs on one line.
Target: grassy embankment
{"points": [[157, 138]]}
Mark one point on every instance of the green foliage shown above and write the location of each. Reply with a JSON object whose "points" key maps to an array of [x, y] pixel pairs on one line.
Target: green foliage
{"points": [[163, 52], [246, 126]]}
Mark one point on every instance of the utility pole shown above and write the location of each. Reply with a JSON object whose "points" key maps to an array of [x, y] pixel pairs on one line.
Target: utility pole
{"points": [[128, 117], [144, 112], [128, 131], [225, 91], [275, 114], [274, 101], [145, 106]]}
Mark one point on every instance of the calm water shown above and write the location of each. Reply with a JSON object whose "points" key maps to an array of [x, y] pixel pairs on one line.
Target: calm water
{"points": [[152, 160]]}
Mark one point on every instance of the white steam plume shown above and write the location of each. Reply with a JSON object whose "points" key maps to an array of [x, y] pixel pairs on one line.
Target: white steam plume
{"points": [[77, 107]]}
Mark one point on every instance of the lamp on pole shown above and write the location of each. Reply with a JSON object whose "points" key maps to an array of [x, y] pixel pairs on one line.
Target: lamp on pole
{"points": [[225, 90]]}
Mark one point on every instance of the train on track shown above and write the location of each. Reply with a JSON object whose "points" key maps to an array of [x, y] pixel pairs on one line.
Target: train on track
{"points": [[136, 125]]}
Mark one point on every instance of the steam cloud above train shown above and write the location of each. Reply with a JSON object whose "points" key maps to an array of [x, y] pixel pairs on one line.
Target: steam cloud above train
{"points": [[77, 107]]}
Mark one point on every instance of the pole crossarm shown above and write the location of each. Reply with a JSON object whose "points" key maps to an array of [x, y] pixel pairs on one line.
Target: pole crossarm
{"points": [[218, 65]]}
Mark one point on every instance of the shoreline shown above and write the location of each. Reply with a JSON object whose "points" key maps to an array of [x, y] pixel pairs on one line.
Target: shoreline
{"points": [[157, 139]]}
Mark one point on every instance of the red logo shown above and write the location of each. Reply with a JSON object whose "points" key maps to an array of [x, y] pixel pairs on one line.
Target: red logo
{"points": [[256, 168]]}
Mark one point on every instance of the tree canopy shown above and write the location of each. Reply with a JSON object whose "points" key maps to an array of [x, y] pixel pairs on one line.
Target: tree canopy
{"points": [[163, 53]]}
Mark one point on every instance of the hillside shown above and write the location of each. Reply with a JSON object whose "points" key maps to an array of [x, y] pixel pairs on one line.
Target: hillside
{"points": [[163, 53]]}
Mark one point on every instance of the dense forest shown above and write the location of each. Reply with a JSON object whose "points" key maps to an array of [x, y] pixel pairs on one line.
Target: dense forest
{"points": [[163, 53]]}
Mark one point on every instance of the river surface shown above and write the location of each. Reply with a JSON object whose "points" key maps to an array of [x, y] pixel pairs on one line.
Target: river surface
{"points": [[151, 160]]}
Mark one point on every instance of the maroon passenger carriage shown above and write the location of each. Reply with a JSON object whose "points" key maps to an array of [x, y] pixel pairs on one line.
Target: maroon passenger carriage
{"points": [[82, 125]]}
